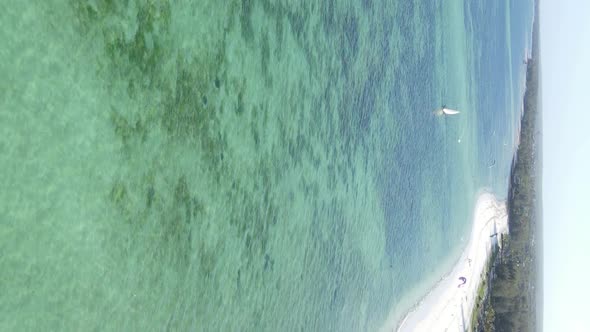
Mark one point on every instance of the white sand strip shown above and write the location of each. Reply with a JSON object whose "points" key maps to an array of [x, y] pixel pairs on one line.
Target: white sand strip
{"points": [[448, 307]]}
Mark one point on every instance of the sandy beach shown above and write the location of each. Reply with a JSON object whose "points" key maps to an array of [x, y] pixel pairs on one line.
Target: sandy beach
{"points": [[448, 306]]}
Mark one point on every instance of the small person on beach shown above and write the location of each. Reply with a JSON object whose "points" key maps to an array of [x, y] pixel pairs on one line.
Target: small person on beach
{"points": [[464, 280]]}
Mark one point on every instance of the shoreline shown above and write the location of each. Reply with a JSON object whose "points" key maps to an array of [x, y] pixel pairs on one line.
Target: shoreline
{"points": [[447, 306]]}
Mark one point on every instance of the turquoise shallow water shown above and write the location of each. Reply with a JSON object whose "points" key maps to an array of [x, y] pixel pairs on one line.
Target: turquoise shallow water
{"points": [[247, 165]]}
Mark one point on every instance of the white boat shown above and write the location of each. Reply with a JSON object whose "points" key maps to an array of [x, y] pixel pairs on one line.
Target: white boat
{"points": [[446, 111]]}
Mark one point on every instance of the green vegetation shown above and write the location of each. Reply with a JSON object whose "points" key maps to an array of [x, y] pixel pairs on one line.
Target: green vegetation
{"points": [[515, 292], [481, 314]]}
